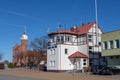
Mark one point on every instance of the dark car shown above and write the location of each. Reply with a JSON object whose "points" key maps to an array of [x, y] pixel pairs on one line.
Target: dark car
{"points": [[109, 71], [96, 69], [43, 68]]}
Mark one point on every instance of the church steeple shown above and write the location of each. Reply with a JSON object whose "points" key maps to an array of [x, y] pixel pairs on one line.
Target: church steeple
{"points": [[24, 36], [24, 40]]}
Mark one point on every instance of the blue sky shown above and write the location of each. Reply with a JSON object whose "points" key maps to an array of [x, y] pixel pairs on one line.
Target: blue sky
{"points": [[39, 15]]}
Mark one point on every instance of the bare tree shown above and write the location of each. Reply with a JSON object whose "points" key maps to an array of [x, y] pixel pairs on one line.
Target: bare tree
{"points": [[39, 43]]}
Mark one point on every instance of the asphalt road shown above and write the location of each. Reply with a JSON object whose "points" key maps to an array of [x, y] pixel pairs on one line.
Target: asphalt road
{"points": [[9, 77]]}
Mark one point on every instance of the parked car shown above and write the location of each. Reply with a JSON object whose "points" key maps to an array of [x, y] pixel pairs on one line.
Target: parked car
{"points": [[96, 69], [43, 68], [109, 70]]}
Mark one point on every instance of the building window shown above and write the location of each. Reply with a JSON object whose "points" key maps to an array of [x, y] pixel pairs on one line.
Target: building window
{"points": [[117, 43], [53, 39], [58, 38], [53, 63], [84, 62], [50, 63], [62, 38], [66, 51], [53, 51], [111, 45], [68, 39], [90, 38], [105, 45], [90, 48]]}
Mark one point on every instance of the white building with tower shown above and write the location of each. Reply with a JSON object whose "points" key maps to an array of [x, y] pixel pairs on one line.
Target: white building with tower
{"points": [[76, 48]]}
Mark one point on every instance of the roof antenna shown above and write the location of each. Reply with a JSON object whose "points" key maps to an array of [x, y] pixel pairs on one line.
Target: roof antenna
{"points": [[59, 26]]}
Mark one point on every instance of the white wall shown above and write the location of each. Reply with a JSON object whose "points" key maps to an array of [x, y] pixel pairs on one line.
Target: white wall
{"points": [[62, 62], [52, 57], [93, 43], [65, 61], [83, 49]]}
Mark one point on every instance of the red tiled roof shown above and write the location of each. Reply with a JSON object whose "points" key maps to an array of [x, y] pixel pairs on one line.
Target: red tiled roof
{"points": [[85, 28], [78, 55], [78, 31]]}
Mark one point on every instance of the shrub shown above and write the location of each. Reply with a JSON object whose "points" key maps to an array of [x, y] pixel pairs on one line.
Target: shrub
{"points": [[10, 65]]}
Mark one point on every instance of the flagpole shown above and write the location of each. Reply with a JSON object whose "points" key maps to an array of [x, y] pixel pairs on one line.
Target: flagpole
{"points": [[96, 12], [97, 31]]}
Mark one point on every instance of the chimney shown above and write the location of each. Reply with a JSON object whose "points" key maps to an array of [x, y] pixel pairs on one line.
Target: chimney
{"points": [[83, 23]]}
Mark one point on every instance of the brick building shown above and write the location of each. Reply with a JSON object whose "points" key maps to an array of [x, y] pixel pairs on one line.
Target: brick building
{"points": [[22, 57]]}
